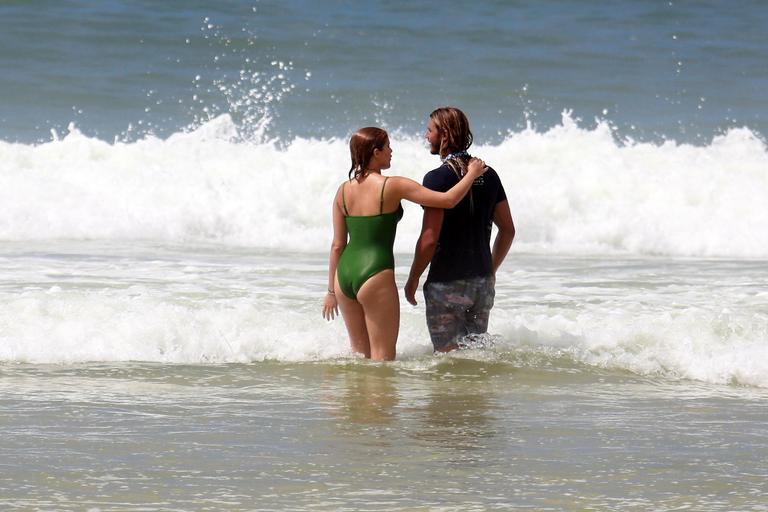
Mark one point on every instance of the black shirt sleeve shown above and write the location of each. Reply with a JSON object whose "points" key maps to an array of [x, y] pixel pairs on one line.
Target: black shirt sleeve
{"points": [[439, 180], [501, 195]]}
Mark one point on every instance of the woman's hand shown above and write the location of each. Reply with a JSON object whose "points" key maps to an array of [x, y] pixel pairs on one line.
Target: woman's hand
{"points": [[330, 306], [476, 167]]}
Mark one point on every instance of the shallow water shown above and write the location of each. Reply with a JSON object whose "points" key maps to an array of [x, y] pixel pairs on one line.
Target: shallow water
{"points": [[608, 383], [453, 433]]}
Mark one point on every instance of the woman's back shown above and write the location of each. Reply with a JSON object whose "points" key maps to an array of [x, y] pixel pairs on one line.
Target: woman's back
{"points": [[364, 197], [371, 234]]}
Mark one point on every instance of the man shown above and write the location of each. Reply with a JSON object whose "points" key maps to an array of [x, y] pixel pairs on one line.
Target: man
{"points": [[460, 286]]}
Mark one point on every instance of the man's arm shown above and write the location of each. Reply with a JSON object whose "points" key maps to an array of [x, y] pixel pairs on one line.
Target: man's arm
{"points": [[502, 217], [425, 249]]}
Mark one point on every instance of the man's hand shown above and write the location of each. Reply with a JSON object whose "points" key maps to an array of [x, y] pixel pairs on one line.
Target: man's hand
{"points": [[410, 290]]}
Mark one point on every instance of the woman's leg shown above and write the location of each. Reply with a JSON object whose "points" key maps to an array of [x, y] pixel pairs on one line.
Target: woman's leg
{"points": [[354, 319], [381, 305]]}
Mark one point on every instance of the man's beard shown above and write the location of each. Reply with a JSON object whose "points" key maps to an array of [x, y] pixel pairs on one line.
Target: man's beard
{"points": [[434, 149]]}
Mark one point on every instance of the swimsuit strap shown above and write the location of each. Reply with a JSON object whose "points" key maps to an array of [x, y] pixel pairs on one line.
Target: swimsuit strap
{"points": [[381, 201], [343, 201]]}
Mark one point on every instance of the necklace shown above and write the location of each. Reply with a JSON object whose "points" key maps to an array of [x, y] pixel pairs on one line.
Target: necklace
{"points": [[457, 154]]}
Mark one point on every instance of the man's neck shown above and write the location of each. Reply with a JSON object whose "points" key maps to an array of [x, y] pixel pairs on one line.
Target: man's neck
{"points": [[454, 154]]}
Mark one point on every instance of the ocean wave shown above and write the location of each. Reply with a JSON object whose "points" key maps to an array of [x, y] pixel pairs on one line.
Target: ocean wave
{"points": [[59, 326], [713, 346], [571, 190]]}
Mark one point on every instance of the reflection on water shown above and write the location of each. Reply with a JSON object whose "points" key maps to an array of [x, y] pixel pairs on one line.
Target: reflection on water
{"points": [[456, 415], [443, 412], [456, 432], [362, 394]]}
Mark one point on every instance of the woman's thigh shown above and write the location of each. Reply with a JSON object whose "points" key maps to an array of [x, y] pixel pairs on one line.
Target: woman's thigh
{"points": [[354, 319], [381, 305]]}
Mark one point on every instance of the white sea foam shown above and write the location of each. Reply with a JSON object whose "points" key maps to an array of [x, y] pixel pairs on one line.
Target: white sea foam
{"points": [[59, 326], [571, 189], [76, 302], [694, 343], [63, 326]]}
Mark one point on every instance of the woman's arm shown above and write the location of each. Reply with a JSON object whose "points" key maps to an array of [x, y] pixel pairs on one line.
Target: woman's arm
{"points": [[412, 191], [330, 306]]}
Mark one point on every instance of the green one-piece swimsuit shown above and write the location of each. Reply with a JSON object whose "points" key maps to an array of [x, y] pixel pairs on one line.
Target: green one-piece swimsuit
{"points": [[369, 249]]}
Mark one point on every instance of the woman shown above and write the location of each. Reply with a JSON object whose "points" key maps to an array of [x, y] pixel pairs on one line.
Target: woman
{"points": [[361, 273]]}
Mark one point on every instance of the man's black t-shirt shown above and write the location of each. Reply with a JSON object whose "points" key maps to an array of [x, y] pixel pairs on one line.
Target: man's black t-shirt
{"points": [[464, 248]]}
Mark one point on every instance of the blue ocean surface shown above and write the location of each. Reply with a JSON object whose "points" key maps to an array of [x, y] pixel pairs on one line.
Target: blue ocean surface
{"points": [[683, 71]]}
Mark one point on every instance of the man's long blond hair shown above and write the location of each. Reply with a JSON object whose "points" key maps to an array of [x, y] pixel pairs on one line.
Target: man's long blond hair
{"points": [[453, 126]]}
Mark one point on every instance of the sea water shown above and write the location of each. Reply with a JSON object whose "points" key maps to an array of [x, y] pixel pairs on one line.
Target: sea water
{"points": [[166, 176]]}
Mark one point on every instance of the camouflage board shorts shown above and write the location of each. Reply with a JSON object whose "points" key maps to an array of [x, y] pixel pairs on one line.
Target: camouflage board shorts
{"points": [[458, 308]]}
